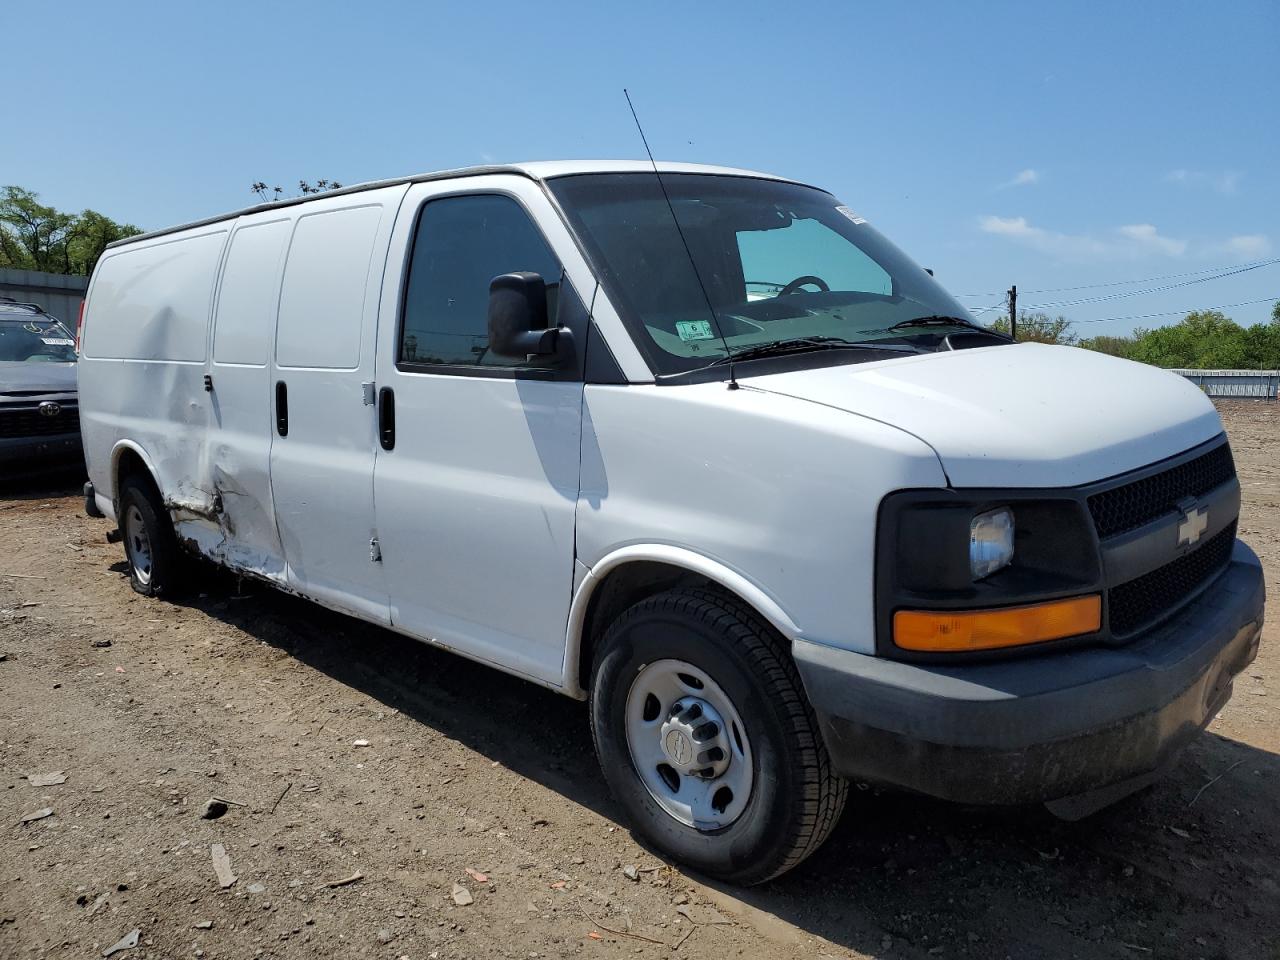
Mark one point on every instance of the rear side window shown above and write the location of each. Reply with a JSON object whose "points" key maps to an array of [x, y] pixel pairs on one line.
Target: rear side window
{"points": [[151, 302], [247, 298], [323, 294], [461, 244]]}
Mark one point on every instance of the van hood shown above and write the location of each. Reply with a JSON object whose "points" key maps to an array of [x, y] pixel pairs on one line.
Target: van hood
{"points": [[1028, 415], [23, 375]]}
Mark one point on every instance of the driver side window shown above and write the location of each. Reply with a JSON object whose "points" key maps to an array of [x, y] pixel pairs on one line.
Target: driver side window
{"points": [[460, 245], [773, 258]]}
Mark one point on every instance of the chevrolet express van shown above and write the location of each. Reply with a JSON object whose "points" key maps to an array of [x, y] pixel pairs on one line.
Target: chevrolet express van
{"points": [[698, 445]]}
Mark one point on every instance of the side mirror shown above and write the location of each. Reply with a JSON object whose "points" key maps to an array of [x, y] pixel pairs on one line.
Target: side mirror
{"points": [[518, 316]]}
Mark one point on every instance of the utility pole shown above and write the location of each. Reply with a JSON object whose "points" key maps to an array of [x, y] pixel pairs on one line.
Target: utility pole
{"points": [[1013, 311]]}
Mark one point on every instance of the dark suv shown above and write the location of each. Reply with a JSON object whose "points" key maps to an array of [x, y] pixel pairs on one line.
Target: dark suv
{"points": [[39, 410]]}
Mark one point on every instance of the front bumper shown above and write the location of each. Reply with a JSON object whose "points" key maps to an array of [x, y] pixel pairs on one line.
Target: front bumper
{"points": [[1040, 728], [19, 454]]}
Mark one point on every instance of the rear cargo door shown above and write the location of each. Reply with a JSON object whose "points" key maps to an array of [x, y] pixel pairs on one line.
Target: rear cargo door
{"points": [[323, 449]]}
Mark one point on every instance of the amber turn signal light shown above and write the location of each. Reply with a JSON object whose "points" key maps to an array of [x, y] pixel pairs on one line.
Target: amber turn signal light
{"points": [[955, 631]]}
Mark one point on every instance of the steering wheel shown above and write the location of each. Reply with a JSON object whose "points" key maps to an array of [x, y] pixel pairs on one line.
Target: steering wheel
{"points": [[795, 285]]}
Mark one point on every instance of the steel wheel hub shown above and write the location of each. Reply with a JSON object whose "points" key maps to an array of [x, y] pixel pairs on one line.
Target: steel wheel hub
{"points": [[688, 744], [135, 534]]}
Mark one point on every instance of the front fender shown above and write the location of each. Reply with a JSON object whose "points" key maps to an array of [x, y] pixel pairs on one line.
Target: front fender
{"points": [[733, 581]]}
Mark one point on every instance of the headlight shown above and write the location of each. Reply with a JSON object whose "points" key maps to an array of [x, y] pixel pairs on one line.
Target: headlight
{"points": [[990, 542], [946, 584]]}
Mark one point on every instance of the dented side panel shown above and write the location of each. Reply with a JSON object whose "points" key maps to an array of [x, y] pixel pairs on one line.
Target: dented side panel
{"points": [[144, 357], [236, 472]]}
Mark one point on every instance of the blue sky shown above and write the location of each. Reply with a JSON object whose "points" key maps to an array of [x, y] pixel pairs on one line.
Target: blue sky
{"points": [[1048, 145]]}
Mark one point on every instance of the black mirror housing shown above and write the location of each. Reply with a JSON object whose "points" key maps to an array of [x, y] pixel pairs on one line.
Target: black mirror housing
{"points": [[518, 323]]}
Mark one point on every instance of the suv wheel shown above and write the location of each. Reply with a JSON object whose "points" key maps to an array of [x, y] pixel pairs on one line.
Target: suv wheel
{"points": [[706, 738], [156, 562]]}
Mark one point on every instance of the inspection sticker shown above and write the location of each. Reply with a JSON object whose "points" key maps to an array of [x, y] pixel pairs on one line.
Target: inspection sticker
{"points": [[58, 341], [851, 215], [695, 330]]}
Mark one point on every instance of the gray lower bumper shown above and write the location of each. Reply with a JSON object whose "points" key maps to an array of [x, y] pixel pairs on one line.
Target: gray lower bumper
{"points": [[23, 453], [1039, 728]]}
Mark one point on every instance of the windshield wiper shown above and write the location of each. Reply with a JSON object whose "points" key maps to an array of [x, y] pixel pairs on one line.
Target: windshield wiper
{"points": [[807, 345], [936, 320]]}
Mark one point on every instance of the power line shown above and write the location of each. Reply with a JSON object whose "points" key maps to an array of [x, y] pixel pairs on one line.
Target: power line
{"points": [[1149, 290], [1171, 313], [994, 306], [1252, 265], [1172, 276]]}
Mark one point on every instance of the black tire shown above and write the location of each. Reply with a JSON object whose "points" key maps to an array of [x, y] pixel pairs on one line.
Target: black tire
{"points": [[796, 798], [165, 570]]}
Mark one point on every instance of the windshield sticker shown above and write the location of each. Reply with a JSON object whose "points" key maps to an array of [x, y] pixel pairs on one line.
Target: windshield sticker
{"points": [[851, 215], [695, 330], [57, 342]]}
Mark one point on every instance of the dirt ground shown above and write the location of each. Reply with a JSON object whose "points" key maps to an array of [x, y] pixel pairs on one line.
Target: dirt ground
{"points": [[343, 750]]}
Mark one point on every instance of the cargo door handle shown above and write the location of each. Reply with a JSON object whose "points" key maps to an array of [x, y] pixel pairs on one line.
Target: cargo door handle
{"points": [[282, 409], [387, 418]]}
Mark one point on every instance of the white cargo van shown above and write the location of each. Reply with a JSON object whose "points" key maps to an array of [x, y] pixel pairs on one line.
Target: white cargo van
{"points": [[702, 447]]}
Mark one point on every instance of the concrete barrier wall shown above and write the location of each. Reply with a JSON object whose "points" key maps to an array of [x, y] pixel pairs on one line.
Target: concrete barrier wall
{"points": [[1256, 384], [57, 294]]}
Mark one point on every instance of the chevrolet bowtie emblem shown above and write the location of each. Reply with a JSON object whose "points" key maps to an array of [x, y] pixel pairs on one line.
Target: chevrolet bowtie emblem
{"points": [[1195, 520]]}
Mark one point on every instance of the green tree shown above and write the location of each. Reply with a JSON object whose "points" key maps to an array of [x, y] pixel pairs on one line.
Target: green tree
{"points": [[1262, 343], [34, 236], [1205, 339], [1040, 328], [92, 232], [1110, 345]]}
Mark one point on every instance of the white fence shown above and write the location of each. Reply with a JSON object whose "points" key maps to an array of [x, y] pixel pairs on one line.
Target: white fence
{"points": [[1254, 384]]}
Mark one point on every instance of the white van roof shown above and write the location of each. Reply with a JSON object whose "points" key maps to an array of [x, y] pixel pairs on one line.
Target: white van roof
{"points": [[534, 170]]}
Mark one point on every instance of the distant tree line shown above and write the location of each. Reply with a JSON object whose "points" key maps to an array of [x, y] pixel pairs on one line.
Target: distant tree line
{"points": [[1204, 339], [305, 188], [36, 237]]}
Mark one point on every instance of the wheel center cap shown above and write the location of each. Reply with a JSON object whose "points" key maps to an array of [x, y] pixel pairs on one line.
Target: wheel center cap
{"points": [[695, 739], [678, 747]]}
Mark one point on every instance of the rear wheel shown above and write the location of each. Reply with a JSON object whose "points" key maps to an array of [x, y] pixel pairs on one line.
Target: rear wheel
{"points": [[707, 740], [157, 566]]}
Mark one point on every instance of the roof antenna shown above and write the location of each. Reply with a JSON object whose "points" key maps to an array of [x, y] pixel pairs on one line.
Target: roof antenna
{"points": [[733, 380]]}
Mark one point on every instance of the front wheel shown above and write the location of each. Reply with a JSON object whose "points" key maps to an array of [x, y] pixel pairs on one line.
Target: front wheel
{"points": [[706, 738]]}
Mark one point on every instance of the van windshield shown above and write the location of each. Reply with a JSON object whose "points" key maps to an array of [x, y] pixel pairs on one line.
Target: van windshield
{"points": [[780, 263], [35, 340]]}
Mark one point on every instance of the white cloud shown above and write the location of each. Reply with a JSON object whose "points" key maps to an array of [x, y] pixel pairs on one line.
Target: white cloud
{"points": [[1226, 182], [1023, 178], [1064, 245], [1009, 226], [1132, 241], [1246, 246], [1146, 235]]}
